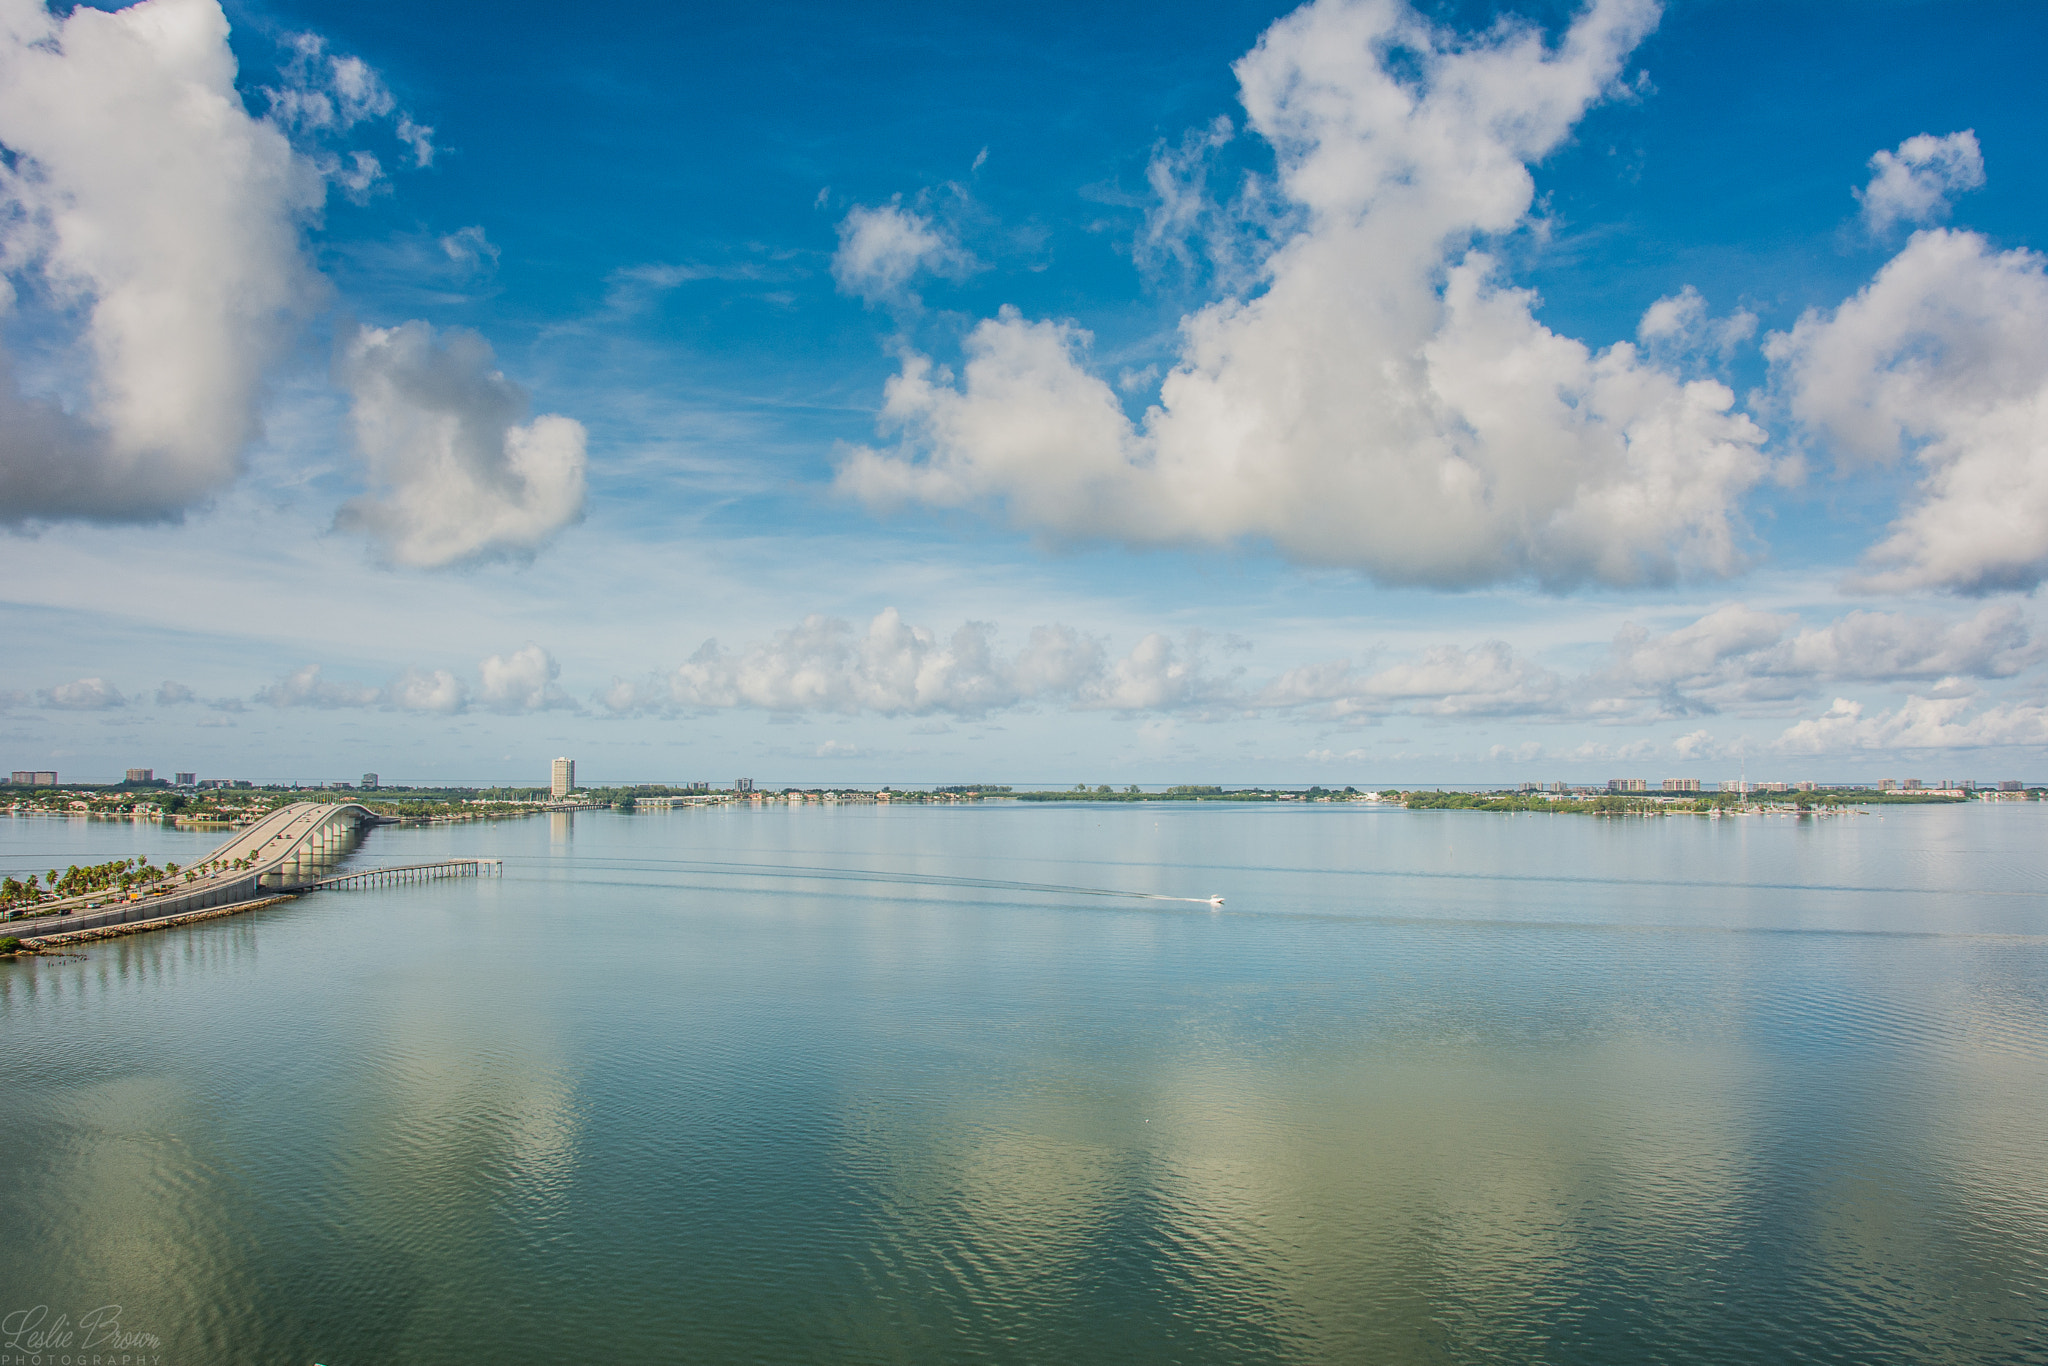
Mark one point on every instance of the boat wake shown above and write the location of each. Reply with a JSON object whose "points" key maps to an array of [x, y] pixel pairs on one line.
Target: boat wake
{"points": [[889, 878]]}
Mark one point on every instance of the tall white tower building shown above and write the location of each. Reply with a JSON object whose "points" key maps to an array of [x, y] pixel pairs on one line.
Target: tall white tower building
{"points": [[564, 779]]}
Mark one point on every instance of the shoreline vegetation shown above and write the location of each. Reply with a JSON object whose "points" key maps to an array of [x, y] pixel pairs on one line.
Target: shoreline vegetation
{"points": [[228, 808], [231, 807]]}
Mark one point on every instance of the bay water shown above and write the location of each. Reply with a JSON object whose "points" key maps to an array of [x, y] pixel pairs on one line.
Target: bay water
{"points": [[956, 1083]]}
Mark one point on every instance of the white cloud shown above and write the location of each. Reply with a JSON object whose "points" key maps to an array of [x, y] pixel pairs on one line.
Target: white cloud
{"points": [[1447, 680], [1387, 402], [1696, 744], [893, 668], [173, 694], [882, 248], [1736, 654], [419, 137], [1696, 654], [143, 198], [1487, 680], [83, 694], [1943, 357], [1913, 184], [1599, 751], [523, 681], [326, 90], [1732, 655], [633, 289], [1679, 325], [456, 475], [1185, 226], [327, 93], [1885, 646], [1918, 723], [469, 249], [305, 687], [1154, 676], [434, 690]]}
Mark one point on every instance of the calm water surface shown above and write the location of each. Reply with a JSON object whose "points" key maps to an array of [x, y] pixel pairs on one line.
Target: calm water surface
{"points": [[856, 1084]]}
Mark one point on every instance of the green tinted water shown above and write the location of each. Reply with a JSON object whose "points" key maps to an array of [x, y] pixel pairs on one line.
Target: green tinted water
{"points": [[826, 1084]]}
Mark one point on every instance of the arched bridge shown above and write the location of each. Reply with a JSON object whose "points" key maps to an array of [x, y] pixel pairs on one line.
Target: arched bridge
{"points": [[291, 848], [295, 844]]}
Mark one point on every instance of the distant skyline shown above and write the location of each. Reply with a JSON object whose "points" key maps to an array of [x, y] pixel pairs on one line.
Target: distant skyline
{"points": [[854, 394]]}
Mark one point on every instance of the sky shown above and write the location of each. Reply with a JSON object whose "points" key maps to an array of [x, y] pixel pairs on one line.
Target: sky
{"points": [[1361, 393]]}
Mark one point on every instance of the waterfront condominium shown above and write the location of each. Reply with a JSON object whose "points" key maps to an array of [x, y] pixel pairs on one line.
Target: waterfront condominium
{"points": [[564, 778]]}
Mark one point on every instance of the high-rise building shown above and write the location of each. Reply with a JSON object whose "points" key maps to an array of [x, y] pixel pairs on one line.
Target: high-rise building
{"points": [[370, 782], [38, 777], [564, 778], [743, 784], [141, 775], [187, 779]]}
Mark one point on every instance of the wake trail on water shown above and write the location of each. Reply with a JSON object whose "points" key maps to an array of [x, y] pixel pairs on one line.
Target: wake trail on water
{"points": [[984, 884]]}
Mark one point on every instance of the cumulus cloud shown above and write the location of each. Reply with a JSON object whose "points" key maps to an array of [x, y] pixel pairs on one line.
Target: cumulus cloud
{"points": [[429, 690], [324, 90], [1721, 646], [1697, 744], [83, 694], [305, 687], [1914, 183], [142, 198], [523, 680], [1736, 654], [1485, 681], [894, 668], [1918, 723], [1154, 676], [434, 690], [173, 694], [882, 248], [325, 93], [1447, 680], [1943, 359], [1386, 402], [456, 474], [1997, 642], [1680, 325]]}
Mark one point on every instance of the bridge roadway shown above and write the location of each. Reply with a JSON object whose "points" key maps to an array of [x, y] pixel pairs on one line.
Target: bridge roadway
{"points": [[284, 849]]}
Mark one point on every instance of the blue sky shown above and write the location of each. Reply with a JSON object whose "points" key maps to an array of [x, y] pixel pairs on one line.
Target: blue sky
{"points": [[1359, 393]]}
